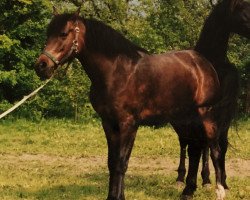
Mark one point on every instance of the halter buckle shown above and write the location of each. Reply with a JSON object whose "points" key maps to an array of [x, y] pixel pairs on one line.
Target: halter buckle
{"points": [[75, 42], [77, 30]]}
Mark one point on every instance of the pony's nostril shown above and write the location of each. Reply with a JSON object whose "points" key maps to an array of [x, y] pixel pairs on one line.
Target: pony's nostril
{"points": [[43, 65]]}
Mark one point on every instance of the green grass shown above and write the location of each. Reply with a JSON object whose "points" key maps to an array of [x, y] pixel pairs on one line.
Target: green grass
{"points": [[60, 159]]}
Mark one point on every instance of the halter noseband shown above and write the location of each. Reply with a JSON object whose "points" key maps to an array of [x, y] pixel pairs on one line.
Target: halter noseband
{"points": [[74, 48]]}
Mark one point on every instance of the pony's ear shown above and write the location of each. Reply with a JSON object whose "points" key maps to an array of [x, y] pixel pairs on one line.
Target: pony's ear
{"points": [[55, 11], [214, 2], [77, 13], [234, 3]]}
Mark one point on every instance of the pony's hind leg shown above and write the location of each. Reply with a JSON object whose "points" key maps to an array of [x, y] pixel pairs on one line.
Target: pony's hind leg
{"points": [[205, 173], [216, 158], [181, 131], [184, 131], [194, 153], [182, 168], [223, 145], [120, 141], [211, 129], [213, 135]]}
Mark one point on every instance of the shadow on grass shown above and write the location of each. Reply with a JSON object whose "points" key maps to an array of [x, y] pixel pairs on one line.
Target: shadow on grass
{"points": [[70, 192], [91, 186], [153, 186], [137, 187]]}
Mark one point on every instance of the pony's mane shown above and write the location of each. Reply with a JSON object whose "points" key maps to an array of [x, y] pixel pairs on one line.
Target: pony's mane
{"points": [[104, 39], [58, 23], [99, 37]]}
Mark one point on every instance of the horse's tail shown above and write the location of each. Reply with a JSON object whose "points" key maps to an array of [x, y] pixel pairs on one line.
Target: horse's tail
{"points": [[228, 105]]}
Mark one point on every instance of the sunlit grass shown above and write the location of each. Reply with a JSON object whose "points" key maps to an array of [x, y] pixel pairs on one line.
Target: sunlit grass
{"points": [[64, 137]]}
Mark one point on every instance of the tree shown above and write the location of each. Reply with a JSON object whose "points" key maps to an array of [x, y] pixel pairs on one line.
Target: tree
{"points": [[21, 34]]}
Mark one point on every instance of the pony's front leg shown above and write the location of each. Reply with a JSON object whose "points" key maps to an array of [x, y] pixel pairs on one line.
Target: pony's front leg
{"points": [[120, 139]]}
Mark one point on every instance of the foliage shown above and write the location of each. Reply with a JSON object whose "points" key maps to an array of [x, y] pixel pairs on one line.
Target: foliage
{"points": [[157, 26], [178, 22], [21, 32]]}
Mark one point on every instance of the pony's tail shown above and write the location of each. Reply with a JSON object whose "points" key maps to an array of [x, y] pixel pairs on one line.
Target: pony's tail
{"points": [[228, 105]]}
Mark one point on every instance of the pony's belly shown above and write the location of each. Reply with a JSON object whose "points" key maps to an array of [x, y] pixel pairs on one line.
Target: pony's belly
{"points": [[160, 118], [156, 120]]}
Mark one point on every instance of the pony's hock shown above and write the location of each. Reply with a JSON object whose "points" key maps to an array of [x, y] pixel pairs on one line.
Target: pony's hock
{"points": [[131, 88]]}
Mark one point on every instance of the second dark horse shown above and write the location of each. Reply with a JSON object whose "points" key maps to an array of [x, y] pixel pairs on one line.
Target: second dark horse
{"points": [[213, 45]]}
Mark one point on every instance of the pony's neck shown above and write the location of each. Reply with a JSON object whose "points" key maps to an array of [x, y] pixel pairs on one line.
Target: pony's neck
{"points": [[102, 70], [96, 66], [213, 41]]}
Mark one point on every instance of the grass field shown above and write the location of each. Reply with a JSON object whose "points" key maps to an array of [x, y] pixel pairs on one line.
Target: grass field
{"points": [[60, 159]]}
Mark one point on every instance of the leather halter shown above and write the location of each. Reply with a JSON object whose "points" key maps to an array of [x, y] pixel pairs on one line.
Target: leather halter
{"points": [[74, 48]]}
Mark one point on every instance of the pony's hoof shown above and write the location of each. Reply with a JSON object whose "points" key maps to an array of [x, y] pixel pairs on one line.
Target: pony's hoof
{"points": [[225, 186], [206, 182], [186, 197], [180, 184], [207, 186], [220, 192]]}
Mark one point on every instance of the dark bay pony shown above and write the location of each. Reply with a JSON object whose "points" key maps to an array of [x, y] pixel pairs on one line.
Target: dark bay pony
{"points": [[228, 16], [131, 88]]}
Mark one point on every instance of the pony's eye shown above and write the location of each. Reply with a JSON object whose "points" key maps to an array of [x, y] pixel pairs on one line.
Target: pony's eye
{"points": [[63, 34]]}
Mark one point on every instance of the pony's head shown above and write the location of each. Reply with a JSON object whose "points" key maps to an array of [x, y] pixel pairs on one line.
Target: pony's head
{"points": [[240, 17], [64, 41], [237, 15]]}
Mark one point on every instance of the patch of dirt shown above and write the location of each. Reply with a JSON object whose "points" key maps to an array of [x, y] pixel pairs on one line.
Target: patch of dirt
{"points": [[234, 167]]}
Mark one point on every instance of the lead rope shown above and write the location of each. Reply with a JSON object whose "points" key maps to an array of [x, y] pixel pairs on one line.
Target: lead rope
{"points": [[25, 98]]}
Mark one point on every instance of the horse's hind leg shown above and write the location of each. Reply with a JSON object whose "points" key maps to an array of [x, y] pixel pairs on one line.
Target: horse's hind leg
{"points": [[120, 139], [223, 145], [194, 153], [205, 166], [216, 158], [213, 135], [184, 131]]}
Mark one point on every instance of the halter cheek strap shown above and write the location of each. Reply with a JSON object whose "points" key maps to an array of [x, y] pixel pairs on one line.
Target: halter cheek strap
{"points": [[74, 48]]}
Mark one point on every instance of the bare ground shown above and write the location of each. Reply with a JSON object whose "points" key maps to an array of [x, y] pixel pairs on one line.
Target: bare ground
{"points": [[164, 165]]}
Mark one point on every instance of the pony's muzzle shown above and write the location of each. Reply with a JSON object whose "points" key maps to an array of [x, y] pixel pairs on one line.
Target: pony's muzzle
{"points": [[44, 67]]}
